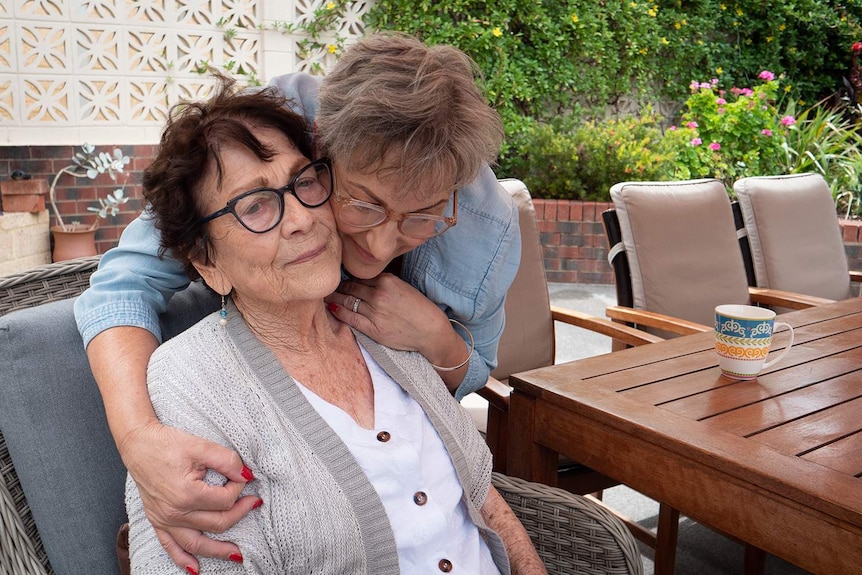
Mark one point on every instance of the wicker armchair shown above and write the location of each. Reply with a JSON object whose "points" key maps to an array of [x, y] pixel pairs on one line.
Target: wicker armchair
{"points": [[572, 534], [21, 549]]}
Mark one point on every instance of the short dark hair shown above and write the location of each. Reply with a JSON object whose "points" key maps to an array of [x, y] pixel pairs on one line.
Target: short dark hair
{"points": [[191, 144]]}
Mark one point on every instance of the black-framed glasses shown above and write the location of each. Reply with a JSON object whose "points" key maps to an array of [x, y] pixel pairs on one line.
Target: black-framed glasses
{"points": [[261, 209], [419, 226]]}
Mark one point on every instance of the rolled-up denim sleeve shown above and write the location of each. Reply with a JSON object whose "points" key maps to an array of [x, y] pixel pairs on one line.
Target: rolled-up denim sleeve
{"points": [[487, 326], [503, 253], [132, 285]]}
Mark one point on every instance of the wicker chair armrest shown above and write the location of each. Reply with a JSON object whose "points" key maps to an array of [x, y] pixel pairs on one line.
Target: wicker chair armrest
{"points": [[654, 320], [571, 533]]}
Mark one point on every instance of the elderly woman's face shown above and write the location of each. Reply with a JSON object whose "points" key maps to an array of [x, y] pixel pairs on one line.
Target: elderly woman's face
{"points": [[368, 250], [298, 259]]}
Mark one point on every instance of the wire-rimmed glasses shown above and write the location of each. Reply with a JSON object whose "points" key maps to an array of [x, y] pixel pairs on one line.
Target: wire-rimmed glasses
{"points": [[416, 225], [261, 209]]}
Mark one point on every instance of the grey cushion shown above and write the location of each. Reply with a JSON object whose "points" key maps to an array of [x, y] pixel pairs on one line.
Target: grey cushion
{"points": [[794, 235], [53, 420], [682, 248]]}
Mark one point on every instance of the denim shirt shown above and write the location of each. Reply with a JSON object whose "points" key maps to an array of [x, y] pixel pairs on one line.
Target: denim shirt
{"points": [[466, 271]]}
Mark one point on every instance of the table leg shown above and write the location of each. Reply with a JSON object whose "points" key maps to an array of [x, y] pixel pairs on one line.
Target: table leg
{"points": [[666, 539], [526, 458]]}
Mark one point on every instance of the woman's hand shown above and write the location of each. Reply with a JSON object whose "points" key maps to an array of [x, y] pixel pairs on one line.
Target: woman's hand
{"points": [[397, 315], [168, 466]]}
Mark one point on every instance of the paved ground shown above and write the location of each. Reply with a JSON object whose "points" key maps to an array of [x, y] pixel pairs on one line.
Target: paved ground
{"points": [[700, 551]]}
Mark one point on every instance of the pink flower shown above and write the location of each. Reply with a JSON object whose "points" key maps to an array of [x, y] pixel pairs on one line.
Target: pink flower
{"points": [[696, 142], [788, 121], [706, 86], [766, 132], [691, 125], [720, 111], [714, 81], [746, 92], [672, 129], [720, 101], [715, 146], [766, 76]]}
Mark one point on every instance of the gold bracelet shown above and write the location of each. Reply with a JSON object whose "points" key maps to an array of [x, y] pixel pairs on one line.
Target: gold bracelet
{"points": [[469, 355]]}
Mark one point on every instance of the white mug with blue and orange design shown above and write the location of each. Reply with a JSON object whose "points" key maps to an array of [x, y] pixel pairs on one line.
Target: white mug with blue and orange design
{"points": [[743, 334]]}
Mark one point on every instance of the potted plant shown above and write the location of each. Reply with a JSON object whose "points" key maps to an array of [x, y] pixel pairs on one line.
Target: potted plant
{"points": [[75, 239]]}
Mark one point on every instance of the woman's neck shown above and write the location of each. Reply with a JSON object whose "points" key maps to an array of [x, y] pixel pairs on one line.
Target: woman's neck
{"points": [[317, 350]]}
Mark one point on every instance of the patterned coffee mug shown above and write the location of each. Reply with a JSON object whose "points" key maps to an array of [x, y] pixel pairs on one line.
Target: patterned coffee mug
{"points": [[743, 334]]}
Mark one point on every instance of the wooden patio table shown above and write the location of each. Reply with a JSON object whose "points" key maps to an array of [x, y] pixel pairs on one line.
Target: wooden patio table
{"points": [[775, 462]]}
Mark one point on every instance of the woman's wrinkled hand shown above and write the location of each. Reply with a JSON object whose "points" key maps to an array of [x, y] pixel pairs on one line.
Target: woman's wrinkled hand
{"points": [[168, 466]]}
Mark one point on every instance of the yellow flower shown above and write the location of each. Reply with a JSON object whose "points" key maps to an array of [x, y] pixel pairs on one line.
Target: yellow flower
{"points": [[575, 18], [664, 41], [677, 25], [719, 70], [497, 32], [739, 12], [769, 39], [782, 27], [633, 5], [332, 48], [330, 6], [684, 21], [652, 12], [787, 88], [724, 6], [642, 51], [801, 102]]}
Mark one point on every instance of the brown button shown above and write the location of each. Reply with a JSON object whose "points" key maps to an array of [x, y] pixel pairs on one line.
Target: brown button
{"points": [[445, 565], [420, 498], [383, 436]]}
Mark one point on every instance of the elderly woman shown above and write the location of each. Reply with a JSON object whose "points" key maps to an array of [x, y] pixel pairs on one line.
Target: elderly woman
{"points": [[359, 458], [410, 136]]}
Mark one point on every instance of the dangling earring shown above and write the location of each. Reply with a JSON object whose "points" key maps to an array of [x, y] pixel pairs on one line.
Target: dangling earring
{"points": [[223, 313]]}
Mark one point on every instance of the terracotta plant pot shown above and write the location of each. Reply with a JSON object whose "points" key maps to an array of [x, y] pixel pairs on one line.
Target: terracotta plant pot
{"points": [[75, 241]]}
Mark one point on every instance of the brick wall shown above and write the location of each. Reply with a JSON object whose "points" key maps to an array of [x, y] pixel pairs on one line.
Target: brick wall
{"points": [[576, 249], [573, 240], [74, 195]]}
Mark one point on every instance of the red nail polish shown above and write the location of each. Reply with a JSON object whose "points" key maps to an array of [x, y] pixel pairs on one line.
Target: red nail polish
{"points": [[332, 307], [235, 557], [247, 474], [257, 504], [191, 570]]}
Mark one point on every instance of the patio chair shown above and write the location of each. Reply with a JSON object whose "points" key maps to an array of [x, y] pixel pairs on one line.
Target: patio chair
{"points": [[793, 235], [676, 255], [62, 499], [528, 343]]}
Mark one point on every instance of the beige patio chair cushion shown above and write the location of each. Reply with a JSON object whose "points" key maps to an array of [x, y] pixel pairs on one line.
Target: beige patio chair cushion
{"points": [[794, 234], [682, 247], [528, 340]]}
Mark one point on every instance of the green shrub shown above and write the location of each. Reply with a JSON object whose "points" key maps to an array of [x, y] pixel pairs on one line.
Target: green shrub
{"points": [[730, 134], [568, 158], [827, 142]]}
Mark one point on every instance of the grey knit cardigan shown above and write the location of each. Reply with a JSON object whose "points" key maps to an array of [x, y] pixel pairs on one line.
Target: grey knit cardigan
{"points": [[320, 513]]}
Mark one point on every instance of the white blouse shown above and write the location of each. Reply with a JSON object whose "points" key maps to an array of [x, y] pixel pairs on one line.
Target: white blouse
{"points": [[406, 462]]}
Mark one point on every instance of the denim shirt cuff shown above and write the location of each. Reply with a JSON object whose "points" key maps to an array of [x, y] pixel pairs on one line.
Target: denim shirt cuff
{"points": [[475, 378], [95, 320]]}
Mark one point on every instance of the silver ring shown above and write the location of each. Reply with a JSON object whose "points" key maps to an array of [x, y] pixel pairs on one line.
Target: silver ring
{"points": [[356, 303]]}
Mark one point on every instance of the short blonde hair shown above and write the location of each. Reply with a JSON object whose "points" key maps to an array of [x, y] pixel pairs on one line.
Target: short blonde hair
{"points": [[392, 102]]}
